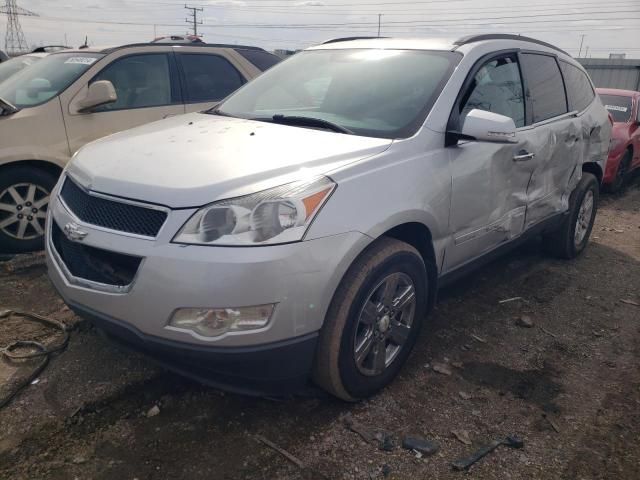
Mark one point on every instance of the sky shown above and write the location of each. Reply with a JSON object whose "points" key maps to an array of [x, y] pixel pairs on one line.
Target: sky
{"points": [[602, 27]]}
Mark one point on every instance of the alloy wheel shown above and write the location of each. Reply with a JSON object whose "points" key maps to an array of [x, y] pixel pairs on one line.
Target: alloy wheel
{"points": [[23, 210], [584, 218], [384, 323]]}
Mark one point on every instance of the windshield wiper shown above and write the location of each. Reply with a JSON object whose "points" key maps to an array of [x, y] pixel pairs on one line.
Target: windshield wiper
{"points": [[7, 108], [309, 122]]}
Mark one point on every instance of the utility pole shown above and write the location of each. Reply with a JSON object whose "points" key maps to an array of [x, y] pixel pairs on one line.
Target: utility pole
{"points": [[14, 41], [379, 22], [586, 53], [581, 40], [194, 18]]}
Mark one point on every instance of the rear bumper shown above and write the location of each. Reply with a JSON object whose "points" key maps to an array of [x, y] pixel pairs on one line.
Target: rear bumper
{"points": [[274, 369]]}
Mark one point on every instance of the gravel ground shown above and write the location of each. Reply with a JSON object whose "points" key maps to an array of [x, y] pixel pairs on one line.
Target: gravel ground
{"points": [[559, 366]]}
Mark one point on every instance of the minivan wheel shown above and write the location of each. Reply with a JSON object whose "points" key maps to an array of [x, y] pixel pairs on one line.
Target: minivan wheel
{"points": [[572, 237], [24, 198], [373, 321]]}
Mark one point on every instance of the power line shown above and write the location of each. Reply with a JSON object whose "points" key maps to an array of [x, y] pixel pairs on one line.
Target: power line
{"points": [[194, 17]]}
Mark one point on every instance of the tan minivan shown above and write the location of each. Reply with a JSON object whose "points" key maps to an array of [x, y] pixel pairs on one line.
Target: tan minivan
{"points": [[52, 108]]}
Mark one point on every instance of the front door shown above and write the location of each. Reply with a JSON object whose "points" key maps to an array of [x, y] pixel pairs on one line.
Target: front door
{"points": [[489, 180], [147, 90]]}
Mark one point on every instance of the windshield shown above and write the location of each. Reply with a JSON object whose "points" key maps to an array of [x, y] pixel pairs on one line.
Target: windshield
{"points": [[377, 93], [45, 79], [14, 65], [618, 106]]}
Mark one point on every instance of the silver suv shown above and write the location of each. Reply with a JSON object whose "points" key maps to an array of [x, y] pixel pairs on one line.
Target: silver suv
{"points": [[301, 229]]}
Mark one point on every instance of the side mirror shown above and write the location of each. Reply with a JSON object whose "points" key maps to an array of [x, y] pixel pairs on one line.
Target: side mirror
{"points": [[100, 93], [484, 126]]}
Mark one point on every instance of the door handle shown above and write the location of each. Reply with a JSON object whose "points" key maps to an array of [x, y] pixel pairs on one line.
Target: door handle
{"points": [[523, 156]]}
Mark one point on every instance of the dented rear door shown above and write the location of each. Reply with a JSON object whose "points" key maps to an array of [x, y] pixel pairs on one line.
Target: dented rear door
{"points": [[555, 136]]}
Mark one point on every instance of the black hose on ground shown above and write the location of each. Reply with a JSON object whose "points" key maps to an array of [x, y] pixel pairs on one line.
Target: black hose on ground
{"points": [[41, 350]]}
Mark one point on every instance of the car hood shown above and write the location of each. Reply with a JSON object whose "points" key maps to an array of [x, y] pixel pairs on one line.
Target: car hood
{"points": [[195, 159]]}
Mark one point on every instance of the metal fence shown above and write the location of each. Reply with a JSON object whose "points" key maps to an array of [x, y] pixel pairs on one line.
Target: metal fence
{"points": [[613, 73]]}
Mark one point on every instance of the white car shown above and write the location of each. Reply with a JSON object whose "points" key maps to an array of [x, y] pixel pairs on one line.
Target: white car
{"points": [[302, 228]]}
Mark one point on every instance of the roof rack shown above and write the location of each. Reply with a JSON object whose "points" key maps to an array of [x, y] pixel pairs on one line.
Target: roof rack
{"points": [[347, 39], [197, 45], [504, 36]]}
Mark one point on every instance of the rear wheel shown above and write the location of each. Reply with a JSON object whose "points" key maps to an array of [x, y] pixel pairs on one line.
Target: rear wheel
{"points": [[373, 321], [622, 174], [571, 238], [24, 199]]}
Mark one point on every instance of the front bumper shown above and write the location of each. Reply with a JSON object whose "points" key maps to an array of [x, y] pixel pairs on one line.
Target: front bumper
{"points": [[300, 278], [273, 369]]}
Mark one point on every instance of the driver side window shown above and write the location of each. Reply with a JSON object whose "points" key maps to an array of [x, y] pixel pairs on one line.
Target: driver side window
{"points": [[497, 88]]}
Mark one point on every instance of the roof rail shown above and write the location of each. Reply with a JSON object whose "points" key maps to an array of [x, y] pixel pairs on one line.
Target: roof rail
{"points": [[177, 44], [347, 39], [504, 36]]}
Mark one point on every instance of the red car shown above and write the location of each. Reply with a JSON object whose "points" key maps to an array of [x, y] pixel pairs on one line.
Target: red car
{"points": [[624, 153]]}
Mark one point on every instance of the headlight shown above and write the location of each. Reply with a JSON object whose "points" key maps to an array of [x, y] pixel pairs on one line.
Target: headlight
{"points": [[277, 215]]}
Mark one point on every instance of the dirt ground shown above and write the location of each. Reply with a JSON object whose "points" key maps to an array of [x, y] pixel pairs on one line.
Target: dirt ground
{"points": [[569, 386]]}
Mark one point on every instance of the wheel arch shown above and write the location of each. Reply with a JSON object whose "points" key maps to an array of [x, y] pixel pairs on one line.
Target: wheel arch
{"points": [[594, 169], [50, 167]]}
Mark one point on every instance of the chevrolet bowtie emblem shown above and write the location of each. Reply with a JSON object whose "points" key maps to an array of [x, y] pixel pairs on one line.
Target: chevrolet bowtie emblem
{"points": [[73, 232]]}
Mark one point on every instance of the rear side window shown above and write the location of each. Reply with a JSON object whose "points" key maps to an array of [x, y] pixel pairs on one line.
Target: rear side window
{"points": [[259, 58], [545, 89], [579, 88], [208, 77]]}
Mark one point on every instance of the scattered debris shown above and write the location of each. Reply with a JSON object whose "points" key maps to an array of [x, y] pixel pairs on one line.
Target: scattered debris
{"points": [[465, 395], [34, 349], [419, 444], [281, 451], [382, 440], [511, 441], [466, 347], [23, 262], [441, 368], [153, 411], [630, 302], [524, 321], [553, 424], [386, 470], [551, 334], [479, 339], [458, 365], [462, 436], [507, 300]]}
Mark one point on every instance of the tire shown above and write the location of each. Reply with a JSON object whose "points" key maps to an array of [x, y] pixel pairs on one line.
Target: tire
{"points": [[336, 370], [565, 242], [24, 198], [622, 174]]}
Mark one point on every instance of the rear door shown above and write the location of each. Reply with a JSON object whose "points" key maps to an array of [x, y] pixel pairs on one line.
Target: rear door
{"points": [[555, 135], [147, 87], [208, 76]]}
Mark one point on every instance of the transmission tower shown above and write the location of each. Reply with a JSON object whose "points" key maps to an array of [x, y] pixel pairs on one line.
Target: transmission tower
{"points": [[14, 41]]}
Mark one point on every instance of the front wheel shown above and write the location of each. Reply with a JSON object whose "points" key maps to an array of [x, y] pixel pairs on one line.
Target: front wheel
{"points": [[24, 198], [373, 321], [571, 238]]}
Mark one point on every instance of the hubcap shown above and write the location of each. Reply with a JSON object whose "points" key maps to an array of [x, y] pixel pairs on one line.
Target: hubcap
{"points": [[384, 323], [584, 218], [23, 209]]}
